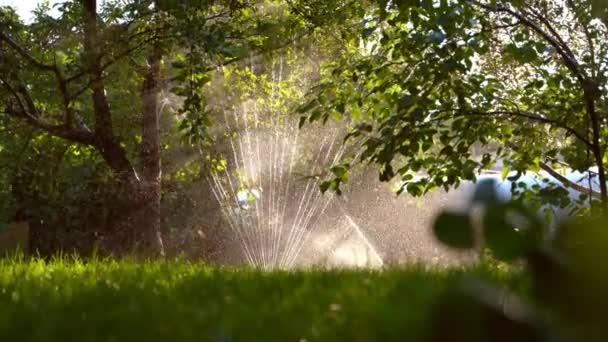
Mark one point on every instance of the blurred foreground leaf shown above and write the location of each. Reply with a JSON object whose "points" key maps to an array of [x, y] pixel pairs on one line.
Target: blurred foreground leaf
{"points": [[455, 230], [569, 282]]}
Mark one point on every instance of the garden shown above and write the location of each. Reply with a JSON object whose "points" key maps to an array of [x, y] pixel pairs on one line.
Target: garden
{"points": [[303, 170]]}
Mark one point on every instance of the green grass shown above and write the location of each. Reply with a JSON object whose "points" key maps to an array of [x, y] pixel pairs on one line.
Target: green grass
{"points": [[182, 301]]}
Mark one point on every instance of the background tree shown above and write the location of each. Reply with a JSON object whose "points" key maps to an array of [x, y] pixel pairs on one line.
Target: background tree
{"points": [[430, 81], [95, 81], [87, 75]]}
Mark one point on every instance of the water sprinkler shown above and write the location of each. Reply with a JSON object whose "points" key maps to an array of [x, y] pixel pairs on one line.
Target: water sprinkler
{"points": [[246, 197]]}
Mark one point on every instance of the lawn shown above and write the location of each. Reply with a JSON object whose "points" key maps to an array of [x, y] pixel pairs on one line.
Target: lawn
{"points": [[74, 300]]}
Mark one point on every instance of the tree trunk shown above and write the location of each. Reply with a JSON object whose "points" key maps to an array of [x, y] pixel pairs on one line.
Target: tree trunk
{"points": [[150, 156], [589, 91], [142, 233]]}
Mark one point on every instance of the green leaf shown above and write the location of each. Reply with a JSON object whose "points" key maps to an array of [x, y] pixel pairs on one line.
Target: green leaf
{"points": [[307, 107], [325, 186], [386, 173], [340, 108], [505, 172], [455, 230]]}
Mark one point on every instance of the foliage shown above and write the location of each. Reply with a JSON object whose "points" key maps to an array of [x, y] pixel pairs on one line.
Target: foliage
{"points": [[61, 188], [430, 82], [94, 88], [183, 301], [255, 32], [568, 286]]}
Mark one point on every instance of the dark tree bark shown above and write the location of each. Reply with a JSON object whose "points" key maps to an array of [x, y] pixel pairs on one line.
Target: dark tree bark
{"points": [[104, 140], [143, 193]]}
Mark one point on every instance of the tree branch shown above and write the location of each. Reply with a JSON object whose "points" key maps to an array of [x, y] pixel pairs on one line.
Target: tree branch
{"points": [[565, 181], [25, 54], [104, 140], [103, 120], [585, 30], [68, 117], [25, 108], [535, 117], [62, 82], [569, 183], [554, 32], [570, 62], [104, 66]]}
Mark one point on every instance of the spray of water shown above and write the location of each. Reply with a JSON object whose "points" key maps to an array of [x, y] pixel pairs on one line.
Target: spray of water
{"points": [[268, 189], [271, 209]]}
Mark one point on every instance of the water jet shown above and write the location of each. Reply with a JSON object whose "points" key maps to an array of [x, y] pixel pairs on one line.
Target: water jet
{"points": [[273, 208]]}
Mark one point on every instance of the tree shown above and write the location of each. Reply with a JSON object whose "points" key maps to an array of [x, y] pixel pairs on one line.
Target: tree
{"points": [[86, 77], [428, 81], [74, 68], [82, 75]]}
